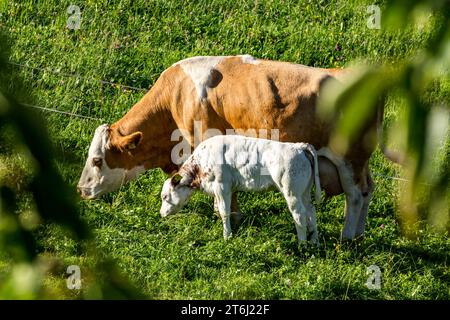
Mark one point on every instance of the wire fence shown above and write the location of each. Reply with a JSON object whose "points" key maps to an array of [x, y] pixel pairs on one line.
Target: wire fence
{"points": [[390, 177], [72, 75], [61, 112], [120, 86]]}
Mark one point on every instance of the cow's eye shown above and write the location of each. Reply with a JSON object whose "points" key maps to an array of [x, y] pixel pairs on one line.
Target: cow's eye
{"points": [[97, 162], [165, 198]]}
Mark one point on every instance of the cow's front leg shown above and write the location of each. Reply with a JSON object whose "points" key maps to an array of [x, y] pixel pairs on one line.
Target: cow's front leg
{"points": [[223, 200]]}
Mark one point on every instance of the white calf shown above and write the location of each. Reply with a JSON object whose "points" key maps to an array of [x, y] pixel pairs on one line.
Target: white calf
{"points": [[222, 165]]}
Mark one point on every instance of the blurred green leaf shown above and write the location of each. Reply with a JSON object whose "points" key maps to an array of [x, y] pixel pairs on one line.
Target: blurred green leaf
{"points": [[54, 202], [353, 101]]}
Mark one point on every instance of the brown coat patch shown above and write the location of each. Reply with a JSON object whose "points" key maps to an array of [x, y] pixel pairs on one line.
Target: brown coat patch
{"points": [[194, 174]]}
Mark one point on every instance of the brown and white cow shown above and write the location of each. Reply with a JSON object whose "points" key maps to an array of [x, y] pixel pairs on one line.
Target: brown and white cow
{"points": [[238, 92]]}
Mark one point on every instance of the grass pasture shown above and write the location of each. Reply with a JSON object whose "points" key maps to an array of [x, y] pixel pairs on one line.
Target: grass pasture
{"points": [[184, 256]]}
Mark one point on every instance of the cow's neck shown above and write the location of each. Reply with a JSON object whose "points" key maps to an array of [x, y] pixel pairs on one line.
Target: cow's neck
{"points": [[151, 116]]}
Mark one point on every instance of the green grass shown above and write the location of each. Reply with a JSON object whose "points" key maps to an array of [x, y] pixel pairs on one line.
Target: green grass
{"points": [[184, 256]]}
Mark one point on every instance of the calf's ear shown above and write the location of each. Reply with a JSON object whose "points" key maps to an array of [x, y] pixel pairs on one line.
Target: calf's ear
{"points": [[176, 178]]}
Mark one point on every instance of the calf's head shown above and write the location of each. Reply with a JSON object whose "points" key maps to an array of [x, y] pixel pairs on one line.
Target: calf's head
{"points": [[175, 193], [106, 167]]}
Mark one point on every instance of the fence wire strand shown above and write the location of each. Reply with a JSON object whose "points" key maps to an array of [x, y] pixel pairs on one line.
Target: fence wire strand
{"points": [[61, 112], [69, 75], [77, 76], [392, 178]]}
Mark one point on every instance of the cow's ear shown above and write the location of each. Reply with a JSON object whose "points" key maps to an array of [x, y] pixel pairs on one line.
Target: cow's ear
{"points": [[130, 141], [175, 180]]}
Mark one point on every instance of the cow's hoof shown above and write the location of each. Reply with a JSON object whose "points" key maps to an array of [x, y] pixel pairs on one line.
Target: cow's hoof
{"points": [[356, 239]]}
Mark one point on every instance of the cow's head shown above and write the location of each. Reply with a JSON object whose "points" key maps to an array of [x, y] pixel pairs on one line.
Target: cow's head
{"points": [[106, 167]]}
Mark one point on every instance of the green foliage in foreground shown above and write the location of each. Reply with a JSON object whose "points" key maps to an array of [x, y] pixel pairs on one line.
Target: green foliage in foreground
{"points": [[50, 200], [185, 256]]}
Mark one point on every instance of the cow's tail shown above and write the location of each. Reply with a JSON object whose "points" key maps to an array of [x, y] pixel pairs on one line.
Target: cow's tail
{"points": [[315, 165], [391, 155]]}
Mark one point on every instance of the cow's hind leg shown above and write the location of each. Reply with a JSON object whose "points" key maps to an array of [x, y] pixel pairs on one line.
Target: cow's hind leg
{"points": [[353, 202], [353, 206], [367, 196], [353, 193]]}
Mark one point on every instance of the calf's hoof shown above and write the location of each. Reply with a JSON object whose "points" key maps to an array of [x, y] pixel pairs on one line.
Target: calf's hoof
{"points": [[216, 213], [313, 238]]}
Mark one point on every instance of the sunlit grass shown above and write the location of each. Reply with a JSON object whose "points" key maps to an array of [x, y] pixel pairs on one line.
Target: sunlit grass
{"points": [[184, 256]]}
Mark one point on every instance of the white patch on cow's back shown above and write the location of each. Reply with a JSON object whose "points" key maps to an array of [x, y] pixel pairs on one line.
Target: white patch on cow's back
{"points": [[199, 69], [246, 58]]}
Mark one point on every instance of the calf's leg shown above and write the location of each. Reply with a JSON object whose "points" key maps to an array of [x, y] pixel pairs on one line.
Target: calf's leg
{"points": [[298, 211], [223, 198], [293, 186], [311, 222], [236, 214], [216, 208]]}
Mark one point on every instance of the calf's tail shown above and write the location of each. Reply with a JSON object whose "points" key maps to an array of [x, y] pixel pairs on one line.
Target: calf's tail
{"points": [[313, 153]]}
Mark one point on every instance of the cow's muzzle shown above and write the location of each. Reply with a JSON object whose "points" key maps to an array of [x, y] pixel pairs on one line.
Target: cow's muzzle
{"points": [[85, 193]]}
